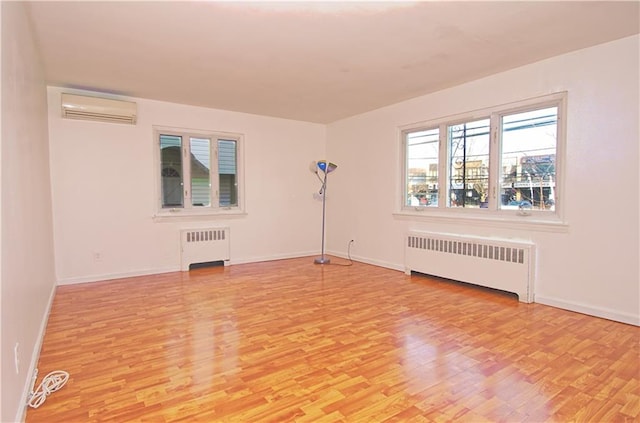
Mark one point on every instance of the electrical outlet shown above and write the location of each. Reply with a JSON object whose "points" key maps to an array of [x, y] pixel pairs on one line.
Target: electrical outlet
{"points": [[16, 356], [97, 256], [352, 242]]}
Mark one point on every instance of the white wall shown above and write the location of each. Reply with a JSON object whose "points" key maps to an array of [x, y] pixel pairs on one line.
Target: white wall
{"points": [[103, 190], [28, 277], [592, 266]]}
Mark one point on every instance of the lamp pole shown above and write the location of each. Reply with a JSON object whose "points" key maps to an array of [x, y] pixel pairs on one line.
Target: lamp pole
{"points": [[326, 168], [322, 259]]}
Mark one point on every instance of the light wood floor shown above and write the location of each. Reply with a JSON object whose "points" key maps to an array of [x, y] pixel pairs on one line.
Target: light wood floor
{"points": [[293, 341]]}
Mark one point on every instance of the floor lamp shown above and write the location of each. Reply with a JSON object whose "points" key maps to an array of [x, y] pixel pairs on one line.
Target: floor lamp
{"points": [[326, 168]]}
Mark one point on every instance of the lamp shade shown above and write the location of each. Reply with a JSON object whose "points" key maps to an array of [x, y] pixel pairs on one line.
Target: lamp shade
{"points": [[326, 167]]}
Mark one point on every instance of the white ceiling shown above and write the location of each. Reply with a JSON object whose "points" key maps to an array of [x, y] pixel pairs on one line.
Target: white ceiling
{"points": [[310, 61]]}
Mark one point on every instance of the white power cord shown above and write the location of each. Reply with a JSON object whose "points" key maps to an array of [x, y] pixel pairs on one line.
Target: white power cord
{"points": [[51, 383]]}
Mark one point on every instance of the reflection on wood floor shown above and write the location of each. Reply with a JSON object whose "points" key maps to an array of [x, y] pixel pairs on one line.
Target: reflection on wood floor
{"points": [[290, 340]]}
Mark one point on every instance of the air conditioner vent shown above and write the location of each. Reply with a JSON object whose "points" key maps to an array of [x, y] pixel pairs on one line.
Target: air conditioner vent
{"points": [[98, 109]]}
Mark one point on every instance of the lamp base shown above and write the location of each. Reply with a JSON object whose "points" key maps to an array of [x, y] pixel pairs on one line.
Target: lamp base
{"points": [[322, 260]]}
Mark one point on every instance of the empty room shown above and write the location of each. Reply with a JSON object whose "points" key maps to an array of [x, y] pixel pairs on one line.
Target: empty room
{"points": [[320, 211]]}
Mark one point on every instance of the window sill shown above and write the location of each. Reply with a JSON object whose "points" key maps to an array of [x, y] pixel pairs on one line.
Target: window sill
{"points": [[533, 221], [197, 215]]}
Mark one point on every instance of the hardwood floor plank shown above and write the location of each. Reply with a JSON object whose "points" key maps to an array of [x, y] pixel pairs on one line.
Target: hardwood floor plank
{"points": [[293, 341]]}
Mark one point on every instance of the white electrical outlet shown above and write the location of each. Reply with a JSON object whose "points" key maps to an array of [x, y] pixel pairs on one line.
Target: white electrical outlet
{"points": [[16, 355]]}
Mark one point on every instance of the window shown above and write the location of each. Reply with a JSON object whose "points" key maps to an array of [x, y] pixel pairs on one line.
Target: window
{"points": [[422, 167], [528, 159], [501, 160], [468, 158], [198, 171]]}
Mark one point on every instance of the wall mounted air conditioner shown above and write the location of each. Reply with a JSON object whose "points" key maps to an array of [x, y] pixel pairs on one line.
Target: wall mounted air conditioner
{"points": [[98, 109]]}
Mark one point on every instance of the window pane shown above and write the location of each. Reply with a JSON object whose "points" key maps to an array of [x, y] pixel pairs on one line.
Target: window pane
{"points": [[468, 184], [422, 168], [227, 173], [528, 159], [171, 170], [200, 172]]}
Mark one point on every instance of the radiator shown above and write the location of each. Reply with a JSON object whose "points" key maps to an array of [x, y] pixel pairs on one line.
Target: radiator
{"points": [[495, 263], [203, 245]]}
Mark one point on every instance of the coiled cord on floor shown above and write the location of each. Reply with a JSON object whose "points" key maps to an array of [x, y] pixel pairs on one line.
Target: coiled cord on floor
{"points": [[50, 383]]}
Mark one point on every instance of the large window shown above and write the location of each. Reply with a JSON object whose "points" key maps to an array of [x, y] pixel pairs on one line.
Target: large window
{"points": [[499, 160], [198, 171]]}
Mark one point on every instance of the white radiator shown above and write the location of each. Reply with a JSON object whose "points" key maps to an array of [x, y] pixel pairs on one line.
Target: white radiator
{"points": [[495, 263], [203, 245]]}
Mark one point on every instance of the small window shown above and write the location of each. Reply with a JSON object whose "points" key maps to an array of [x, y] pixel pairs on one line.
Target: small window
{"points": [[171, 170], [228, 172], [199, 171]]}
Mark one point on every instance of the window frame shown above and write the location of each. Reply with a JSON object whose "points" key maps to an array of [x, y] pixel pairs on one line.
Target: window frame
{"points": [[188, 210], [492, 214]]}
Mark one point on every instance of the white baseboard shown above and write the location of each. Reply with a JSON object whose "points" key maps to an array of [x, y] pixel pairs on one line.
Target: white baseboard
{"points": [[109, 276], [274, 257], [378, 263], [590, 310], [145, 272], [35, 356]]}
